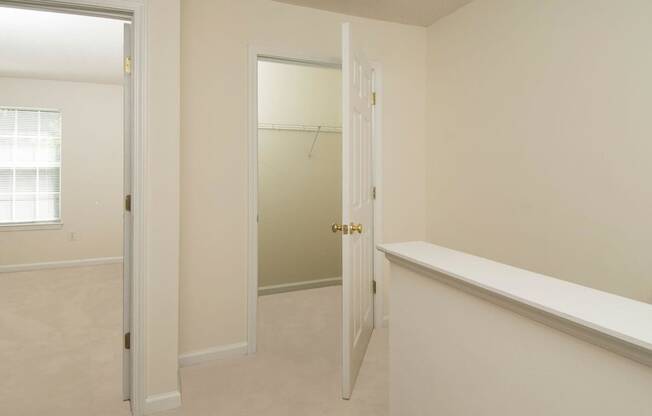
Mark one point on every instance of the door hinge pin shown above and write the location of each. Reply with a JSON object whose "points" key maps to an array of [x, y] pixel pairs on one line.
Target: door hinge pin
{"points": [[128, 203], [373, 286], [128, 341], [373, 192], [373, 98]]}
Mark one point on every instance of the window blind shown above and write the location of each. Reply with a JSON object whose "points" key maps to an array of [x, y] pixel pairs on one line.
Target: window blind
{"points": [[30, 166]]}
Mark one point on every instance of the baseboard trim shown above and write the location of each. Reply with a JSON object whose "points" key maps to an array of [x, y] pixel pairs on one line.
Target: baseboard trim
{"points": [[291, 287], [163, 401], [211, 354], [59, 264]]}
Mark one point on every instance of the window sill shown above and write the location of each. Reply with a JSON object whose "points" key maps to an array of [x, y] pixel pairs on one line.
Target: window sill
{"points": [[31, 226]]}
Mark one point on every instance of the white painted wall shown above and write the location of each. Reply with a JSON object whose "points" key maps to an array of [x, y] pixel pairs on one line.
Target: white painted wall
{"points": [[92, 170], [216, 36], [539, 138], [299, 197]]}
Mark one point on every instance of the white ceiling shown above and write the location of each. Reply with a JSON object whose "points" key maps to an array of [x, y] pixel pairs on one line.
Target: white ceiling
{"points": [[45, 45], [413, 12]]}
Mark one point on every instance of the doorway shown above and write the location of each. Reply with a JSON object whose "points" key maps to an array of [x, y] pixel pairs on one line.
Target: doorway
{"points": [[299, 198], [299, 176], [359, 225], [66, 223]]}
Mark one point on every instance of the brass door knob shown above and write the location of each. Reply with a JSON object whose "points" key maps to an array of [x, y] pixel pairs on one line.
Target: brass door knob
{"points": [[356, 227], [340, 227]]}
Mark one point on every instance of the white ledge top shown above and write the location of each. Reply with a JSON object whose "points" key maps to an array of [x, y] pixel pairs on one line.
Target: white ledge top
{"points": [[619, 317]]}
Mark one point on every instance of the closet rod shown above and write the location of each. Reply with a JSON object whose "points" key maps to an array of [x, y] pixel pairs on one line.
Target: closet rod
{"points": [[300, 127]]}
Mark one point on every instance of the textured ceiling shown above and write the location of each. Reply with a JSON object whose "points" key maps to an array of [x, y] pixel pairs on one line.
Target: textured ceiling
{"points": [[413, 12]]}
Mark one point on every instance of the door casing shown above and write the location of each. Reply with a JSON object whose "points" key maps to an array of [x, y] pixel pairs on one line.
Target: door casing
{"points": [[255, 53]]}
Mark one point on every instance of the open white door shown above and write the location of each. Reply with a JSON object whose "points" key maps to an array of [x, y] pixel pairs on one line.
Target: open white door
{"points": [[357, 209], [127, 218]]}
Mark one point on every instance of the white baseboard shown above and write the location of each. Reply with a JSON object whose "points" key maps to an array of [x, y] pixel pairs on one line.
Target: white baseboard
{"points": [[290, 287], [210, 354], [59, 264], [160, 402]]}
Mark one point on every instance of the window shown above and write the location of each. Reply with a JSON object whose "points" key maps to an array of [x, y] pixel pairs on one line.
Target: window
{"points": [[30, 166]]}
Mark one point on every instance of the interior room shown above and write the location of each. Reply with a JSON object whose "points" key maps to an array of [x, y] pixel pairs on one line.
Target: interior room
{"points": [[299, 176], [490, 256], [61, 216]]}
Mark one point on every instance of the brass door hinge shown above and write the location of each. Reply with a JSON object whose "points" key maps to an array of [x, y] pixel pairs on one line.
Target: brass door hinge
{"points": [[127, 64], [373, 286], [373, 192], [128, 341], [373, 98], [128, 203]]}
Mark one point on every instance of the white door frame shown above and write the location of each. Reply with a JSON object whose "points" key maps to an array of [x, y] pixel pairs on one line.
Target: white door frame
{"points": [[136, 11], [255, 53]]}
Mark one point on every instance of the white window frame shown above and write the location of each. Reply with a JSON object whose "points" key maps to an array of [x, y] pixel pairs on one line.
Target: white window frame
{"points": [[41, 224]]}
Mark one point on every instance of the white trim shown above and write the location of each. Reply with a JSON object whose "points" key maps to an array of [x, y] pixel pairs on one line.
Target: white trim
{"points": [[291, 287], [83, 8], [290, 55], [278, 56], [377, 155], [10, 268], [31, 226], [163, 401], [617, 324], [139, 12], [299, 127], [271, 53], [212, 354], [140, 188], [127, 234], [252, 220]]}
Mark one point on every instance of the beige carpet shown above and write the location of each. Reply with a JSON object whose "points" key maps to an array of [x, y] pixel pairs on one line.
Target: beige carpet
{"points": [[60, 349], [60, 342], [296, 371]]}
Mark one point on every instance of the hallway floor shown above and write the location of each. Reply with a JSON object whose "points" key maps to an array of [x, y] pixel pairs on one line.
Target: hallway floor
{"points": [[296, 371]]}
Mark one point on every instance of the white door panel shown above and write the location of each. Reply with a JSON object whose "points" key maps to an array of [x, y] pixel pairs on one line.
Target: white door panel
{"points": [[357, 209]]}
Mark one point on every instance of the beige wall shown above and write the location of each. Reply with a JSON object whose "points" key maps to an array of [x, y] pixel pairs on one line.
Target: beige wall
{"points": [[216, 36], [298, 197], [453, 353], [162, 202], [539, 138], [299, 94], [91, 204]]}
